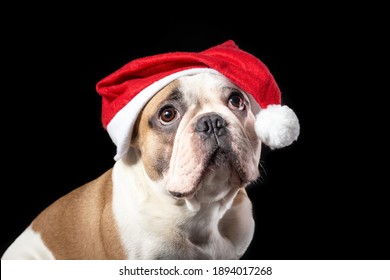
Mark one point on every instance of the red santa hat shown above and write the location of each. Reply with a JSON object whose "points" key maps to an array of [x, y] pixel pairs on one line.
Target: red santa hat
{"points": [[126, 91]]}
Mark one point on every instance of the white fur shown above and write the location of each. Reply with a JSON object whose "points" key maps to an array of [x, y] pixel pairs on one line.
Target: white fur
{"points": [[28, 246]]}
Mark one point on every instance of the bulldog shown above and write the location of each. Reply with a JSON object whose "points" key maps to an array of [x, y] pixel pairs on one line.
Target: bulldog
{"points": [[178, 187]]}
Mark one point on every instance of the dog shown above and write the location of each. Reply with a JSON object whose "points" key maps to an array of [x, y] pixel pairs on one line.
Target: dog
{"points": [[178, 187]]}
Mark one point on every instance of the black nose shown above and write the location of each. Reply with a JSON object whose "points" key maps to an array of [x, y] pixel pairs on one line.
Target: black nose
{"points": [[211, 124]]}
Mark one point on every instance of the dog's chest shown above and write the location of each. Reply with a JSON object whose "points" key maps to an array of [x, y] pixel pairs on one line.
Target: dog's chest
{"points": [[206, 235], [158, 231], [197, 238]]}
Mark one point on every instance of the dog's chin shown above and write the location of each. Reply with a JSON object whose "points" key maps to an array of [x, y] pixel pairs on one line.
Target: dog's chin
{"points": [[221, 173]]}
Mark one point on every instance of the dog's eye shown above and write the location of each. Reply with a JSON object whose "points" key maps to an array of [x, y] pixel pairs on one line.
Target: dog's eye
{"points": [[167, 115], [236, 101]]}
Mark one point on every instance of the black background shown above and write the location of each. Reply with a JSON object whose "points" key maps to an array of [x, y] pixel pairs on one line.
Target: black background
{"points": [[324, 197]]}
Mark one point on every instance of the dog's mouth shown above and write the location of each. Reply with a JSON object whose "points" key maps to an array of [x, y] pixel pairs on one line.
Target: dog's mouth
{"points": [[221, 167], [223, 160]]}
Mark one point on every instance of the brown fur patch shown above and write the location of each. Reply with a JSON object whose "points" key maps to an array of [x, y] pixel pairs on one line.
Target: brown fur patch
{"points": [[155, 151], [81, 225]]}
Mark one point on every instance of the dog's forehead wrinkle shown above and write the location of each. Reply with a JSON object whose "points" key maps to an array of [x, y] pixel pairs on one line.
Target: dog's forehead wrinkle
{"points": [[202, 88]]}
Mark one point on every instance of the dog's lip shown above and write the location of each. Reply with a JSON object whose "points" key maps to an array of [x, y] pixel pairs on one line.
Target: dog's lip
{"points": [[182, 195], [234, 163], [193, 191]]}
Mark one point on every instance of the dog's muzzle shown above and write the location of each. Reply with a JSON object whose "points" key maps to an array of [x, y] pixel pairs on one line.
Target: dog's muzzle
{"points": [[215, 154]]}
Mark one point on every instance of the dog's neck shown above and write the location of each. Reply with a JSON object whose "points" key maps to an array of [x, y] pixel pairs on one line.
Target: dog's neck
{"points": [[195, 220]]}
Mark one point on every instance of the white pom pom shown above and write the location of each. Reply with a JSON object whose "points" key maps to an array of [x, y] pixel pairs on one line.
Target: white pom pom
{"points": [[277, 126]]}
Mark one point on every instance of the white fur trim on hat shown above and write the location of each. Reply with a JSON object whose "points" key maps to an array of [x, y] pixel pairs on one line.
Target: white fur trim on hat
{"points": [[277, 126]]}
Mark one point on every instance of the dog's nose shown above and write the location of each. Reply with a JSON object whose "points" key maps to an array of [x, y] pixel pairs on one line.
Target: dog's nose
{"points": [[211, 124]]}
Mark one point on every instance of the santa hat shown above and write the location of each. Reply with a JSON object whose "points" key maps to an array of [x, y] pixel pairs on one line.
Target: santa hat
{"points": [[126, 91]]}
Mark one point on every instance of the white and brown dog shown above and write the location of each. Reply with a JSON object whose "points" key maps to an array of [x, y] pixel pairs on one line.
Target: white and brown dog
{"points": [[177, 189]]}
